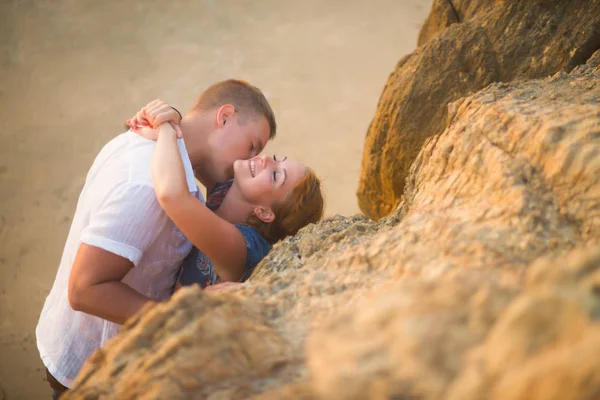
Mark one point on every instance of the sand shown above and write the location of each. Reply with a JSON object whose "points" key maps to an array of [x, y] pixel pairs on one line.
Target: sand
{"points": [[72, 71]]}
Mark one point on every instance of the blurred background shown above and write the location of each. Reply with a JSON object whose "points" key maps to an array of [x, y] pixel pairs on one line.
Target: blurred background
{"points": [[71, 71]]}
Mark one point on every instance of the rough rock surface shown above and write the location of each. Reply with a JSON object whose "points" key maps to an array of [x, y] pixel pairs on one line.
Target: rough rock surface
{"points": [[483, 284], [465, 45]]}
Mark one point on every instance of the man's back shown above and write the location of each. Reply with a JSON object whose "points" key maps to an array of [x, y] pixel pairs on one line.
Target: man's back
{"points": [[117, 211]]}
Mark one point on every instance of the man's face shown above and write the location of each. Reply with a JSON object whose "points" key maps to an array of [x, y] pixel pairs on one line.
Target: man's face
{"points": [[240, 138]]}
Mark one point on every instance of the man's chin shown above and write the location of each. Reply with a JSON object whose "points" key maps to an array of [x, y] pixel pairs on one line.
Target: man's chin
{"points": [[229, 174], [224, 178]]}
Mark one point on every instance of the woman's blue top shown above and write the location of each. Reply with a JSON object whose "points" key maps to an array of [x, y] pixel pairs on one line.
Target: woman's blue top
{"points": [[197, 267]]}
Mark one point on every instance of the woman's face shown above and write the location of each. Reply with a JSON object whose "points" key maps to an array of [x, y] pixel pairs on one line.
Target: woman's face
{"points": [[263, 180]]}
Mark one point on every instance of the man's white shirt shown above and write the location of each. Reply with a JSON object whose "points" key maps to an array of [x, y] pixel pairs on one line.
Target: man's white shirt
{"points": [[117, 211]]}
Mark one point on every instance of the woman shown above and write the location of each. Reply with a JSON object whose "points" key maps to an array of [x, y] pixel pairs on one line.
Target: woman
{"points": [[268, 199]]}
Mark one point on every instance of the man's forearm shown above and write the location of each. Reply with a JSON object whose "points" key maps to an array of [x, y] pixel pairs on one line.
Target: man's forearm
{"points": [[113, 301]]}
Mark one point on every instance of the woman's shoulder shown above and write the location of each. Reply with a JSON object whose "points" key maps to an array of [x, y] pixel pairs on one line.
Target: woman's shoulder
{"points": [[198, 268], [254, 239], [256, 248]]}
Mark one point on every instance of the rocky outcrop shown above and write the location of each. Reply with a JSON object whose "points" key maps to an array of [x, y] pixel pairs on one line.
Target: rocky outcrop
{"points": [[483, 284], [465, 45]]}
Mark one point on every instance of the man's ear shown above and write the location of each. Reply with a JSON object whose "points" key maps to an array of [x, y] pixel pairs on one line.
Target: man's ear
{"points": [[224, 113], [265, 214]]}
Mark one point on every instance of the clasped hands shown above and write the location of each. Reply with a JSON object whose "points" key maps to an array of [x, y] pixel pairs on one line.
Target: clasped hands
{"points": [[153, 116]]}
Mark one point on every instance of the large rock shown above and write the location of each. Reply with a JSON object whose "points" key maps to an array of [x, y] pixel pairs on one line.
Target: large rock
{"points": [[164, 349], [464, 47], [447, 12], [483, 284]]}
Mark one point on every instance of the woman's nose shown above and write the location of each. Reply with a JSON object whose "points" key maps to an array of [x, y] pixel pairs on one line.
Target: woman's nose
{"points": [[264, 160]]}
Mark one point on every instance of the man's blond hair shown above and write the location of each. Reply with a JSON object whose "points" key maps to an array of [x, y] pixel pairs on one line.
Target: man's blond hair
{"points": [[248, 100]]}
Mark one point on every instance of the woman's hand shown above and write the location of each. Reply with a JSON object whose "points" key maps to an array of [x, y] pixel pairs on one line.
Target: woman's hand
{"points": [[153, 115]]}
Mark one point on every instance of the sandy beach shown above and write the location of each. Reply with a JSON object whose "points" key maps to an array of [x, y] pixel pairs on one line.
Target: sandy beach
{"points": [[72, 71]]}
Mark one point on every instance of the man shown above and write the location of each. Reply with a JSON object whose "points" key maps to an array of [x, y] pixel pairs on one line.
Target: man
{"points": [[122, 251]]}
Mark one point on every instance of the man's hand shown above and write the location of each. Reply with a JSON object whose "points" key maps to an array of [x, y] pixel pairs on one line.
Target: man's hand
{"points": [[154, 114]]}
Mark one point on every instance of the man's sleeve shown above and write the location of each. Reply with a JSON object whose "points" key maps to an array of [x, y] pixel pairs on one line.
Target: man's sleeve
{"points": [[127, 222]]}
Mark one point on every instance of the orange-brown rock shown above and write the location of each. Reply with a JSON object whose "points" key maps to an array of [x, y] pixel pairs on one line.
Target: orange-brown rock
{"points": [[465, 46], [164, 348], [483, 284]]}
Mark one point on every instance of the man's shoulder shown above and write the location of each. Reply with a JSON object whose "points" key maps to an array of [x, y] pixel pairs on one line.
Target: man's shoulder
{"points": [[125, 158], [129, 155], [137, 155], [127, 146]]}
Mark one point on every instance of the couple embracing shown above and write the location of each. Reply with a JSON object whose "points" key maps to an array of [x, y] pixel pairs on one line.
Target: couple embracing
{"points": [[142, 227]]}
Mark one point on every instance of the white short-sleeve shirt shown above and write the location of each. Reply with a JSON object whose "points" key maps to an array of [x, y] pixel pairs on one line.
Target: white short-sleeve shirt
{"points": [[117, 211]]}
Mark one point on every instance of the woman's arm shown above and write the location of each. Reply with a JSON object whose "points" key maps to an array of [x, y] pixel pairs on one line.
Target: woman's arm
{"points": [[220, 240]]}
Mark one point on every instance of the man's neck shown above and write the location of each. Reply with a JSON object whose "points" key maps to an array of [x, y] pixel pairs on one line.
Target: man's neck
{"points": [[195, 134], [196, 139]]}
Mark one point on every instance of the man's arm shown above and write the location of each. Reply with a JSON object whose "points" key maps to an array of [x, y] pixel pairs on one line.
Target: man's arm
{"points": [[95, 285], [118, 234]]}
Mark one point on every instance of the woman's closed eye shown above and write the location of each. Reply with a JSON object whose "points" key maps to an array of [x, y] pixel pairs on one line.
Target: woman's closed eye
{"points": [[278, 160], [279, 176]]}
